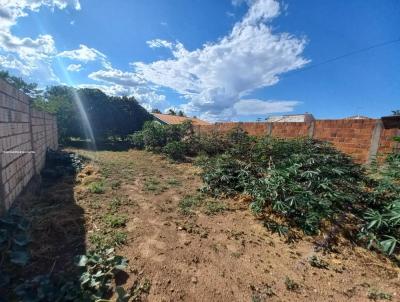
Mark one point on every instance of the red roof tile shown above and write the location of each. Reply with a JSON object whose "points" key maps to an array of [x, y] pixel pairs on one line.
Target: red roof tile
{"points": [[176, 119]]}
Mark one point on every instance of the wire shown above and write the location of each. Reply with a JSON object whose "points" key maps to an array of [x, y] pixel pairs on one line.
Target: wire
{"points": [[345, 56]]}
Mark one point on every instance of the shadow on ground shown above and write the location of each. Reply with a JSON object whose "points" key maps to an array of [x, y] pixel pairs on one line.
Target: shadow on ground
{"points": [[108, 145], [57, 229]]}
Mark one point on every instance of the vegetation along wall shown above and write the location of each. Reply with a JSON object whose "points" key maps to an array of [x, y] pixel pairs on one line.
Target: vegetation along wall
{"points": [[25, 134], [362, 139]]}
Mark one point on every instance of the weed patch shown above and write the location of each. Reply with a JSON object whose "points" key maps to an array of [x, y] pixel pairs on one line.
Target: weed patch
{"points": [[189, 203], [155, 186], [317, 262], [376, 295], [96, 187], [291, 285], [214, 207], [115, 220], [174, 182]]}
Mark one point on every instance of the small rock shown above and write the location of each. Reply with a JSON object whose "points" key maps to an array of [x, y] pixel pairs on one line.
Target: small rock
{"points": [[194, 280], [187, 242]]}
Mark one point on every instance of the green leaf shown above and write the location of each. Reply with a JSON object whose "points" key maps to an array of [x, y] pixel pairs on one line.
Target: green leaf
{"points": [[389, 244], [19, 257], [122, 264], [82, 260]]}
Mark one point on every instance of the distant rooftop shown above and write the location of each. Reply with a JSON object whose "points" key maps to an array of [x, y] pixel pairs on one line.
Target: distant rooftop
{"points": [[176, 119], [291, 118], [357, 117]]}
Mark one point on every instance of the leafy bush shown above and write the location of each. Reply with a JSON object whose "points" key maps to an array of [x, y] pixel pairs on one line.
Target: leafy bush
{"points": [[210, 144], [175, 150], [168, 139], [382, 228], [154, 136], [97, 271], [304, 181], [137, 140]]}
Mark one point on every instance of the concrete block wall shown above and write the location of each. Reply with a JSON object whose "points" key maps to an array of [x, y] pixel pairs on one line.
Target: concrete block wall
{"points": [[25, 134], [361, 139]]}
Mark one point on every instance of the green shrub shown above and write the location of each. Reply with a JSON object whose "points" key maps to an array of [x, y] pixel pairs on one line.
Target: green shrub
{"points": [[137, 140], [97, 273], [303, 180], [210, 144], [154, 136], [176, 150], [382, 227]]}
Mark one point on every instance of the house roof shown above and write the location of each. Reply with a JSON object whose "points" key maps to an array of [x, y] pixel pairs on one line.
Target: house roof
{"points": [[291, 118], [176, 119], [358, 117]]}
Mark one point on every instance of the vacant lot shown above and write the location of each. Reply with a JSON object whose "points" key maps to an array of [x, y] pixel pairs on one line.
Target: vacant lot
{"points": [[183, 245]]}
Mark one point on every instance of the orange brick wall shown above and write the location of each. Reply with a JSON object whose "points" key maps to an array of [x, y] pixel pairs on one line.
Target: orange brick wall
{"points": [[290, 130], [352, 137], [386, 144]]}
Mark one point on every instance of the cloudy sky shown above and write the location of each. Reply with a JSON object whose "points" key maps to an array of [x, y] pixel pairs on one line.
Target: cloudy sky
{"points": [[218, 59]]}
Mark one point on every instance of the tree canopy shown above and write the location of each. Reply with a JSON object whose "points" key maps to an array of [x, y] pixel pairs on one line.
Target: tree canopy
{"points": [[108, 115]]}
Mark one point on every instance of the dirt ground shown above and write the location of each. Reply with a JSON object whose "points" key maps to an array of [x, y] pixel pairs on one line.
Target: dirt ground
{"points": [[211, 250]]}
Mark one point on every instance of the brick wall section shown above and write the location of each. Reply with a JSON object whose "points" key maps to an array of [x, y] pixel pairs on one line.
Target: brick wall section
{"points": [[353, 137], [289, 130], [25, 134], [386, 144]]}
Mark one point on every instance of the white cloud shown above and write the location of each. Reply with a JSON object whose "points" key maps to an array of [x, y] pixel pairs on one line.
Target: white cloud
{"points": [[85, 54], [117, 77], [219, 75], [157, 43], [30, 56], [117, 82], [74, 67], [258, 107]]}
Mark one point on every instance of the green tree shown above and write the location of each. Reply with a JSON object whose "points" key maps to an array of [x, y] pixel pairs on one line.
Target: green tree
{"points": [[29, 88]]}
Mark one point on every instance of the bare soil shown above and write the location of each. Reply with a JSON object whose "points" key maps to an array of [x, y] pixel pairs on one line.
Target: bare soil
{"points": [[215, 250]]}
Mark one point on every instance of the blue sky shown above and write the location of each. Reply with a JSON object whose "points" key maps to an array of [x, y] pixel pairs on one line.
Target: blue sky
{"points": [[217, 59]]}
